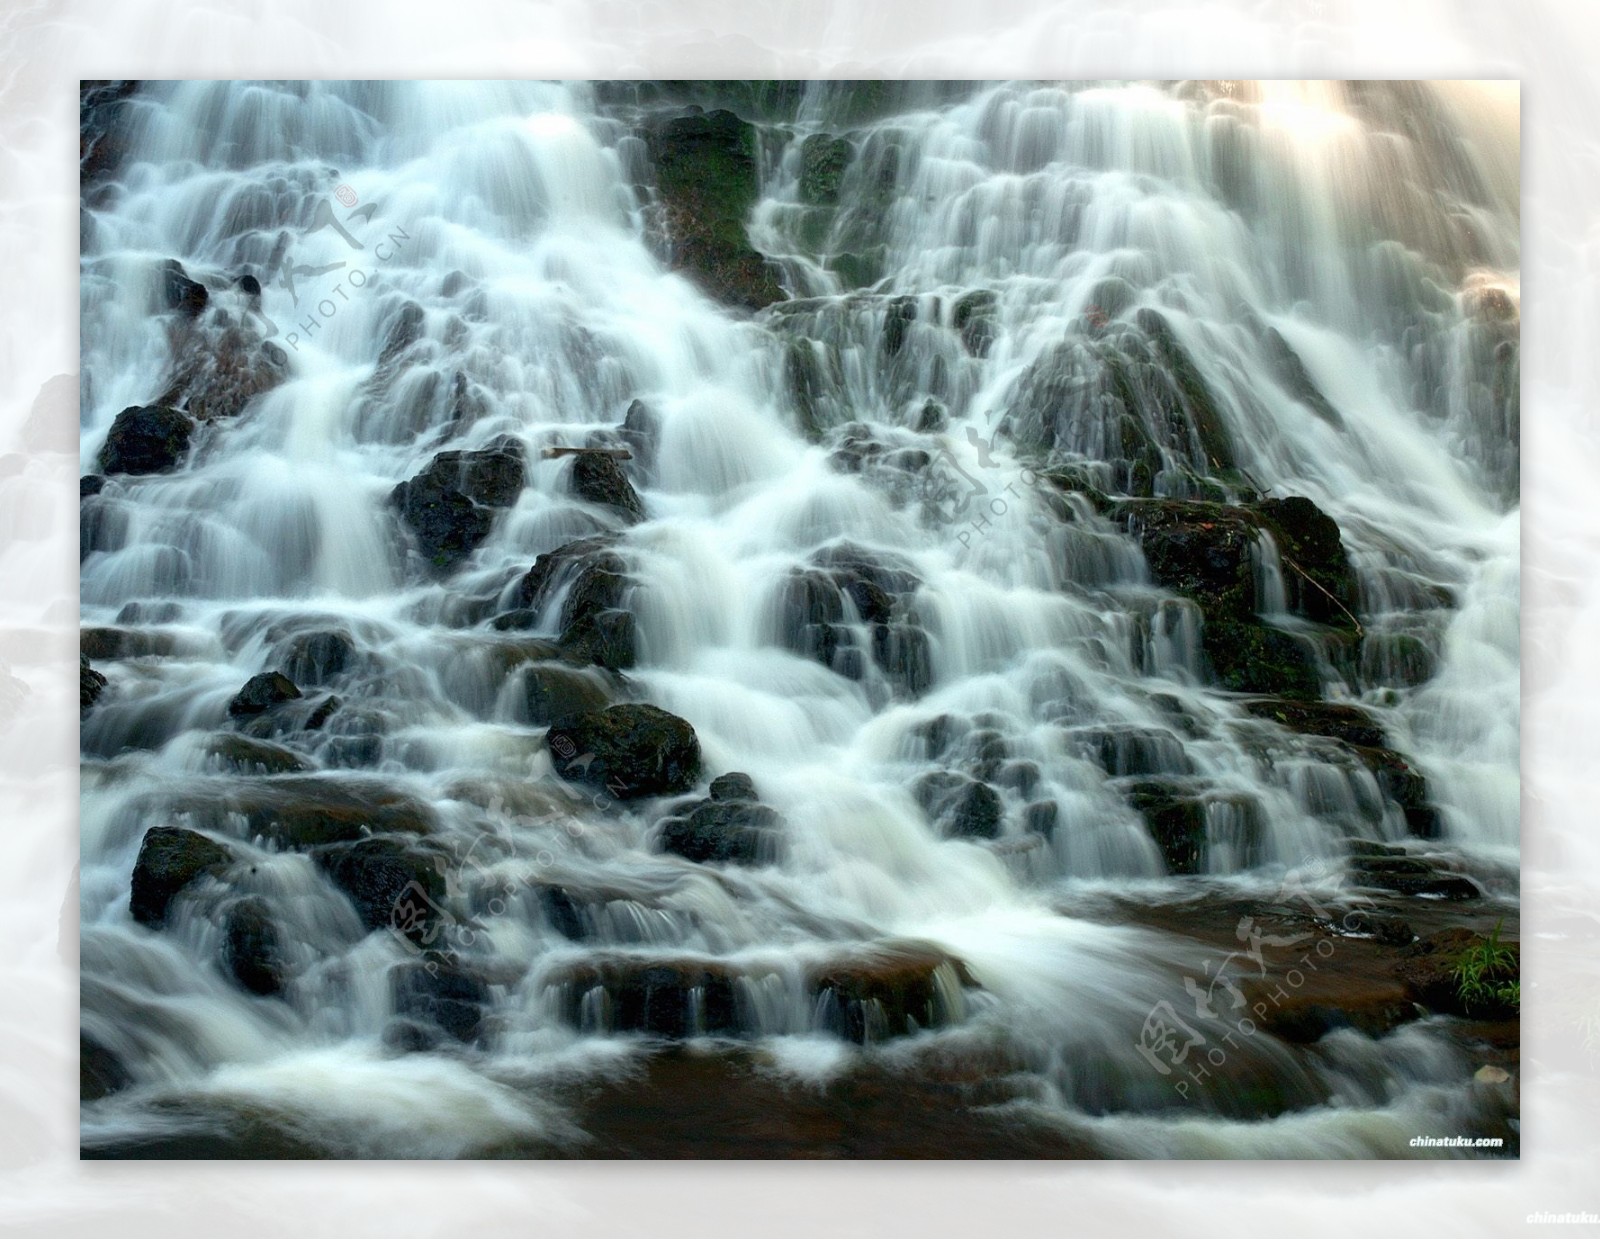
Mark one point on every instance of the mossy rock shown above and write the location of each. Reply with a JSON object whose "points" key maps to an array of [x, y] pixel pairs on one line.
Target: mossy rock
{"points": [[823, 160], [708, 182]]}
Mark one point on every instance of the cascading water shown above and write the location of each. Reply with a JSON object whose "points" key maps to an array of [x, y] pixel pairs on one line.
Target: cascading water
{"points": [[984, 551]]}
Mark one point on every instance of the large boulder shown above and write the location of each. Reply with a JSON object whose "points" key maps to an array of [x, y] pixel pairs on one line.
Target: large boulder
{"points": [[151, 439], [730, 826], [594, 625], [708, 183], [630, 750], [449, 507], [1175, 815], [596, 478], [170, 858], [317, 657], [962, 807], [394, 883], [299, 811], [261, 693], [890, 990], [180, 293], [557, 691], [820, 607], [252, 950]]}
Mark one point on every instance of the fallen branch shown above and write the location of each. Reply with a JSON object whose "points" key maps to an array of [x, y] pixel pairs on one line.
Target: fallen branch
{"points": [[1289, 560]]}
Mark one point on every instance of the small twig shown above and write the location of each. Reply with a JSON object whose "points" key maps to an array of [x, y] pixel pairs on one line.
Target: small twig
{"points": [[1289, 560]]}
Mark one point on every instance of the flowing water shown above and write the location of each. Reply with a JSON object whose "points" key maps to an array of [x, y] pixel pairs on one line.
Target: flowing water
{"points": [[1369, 231]]}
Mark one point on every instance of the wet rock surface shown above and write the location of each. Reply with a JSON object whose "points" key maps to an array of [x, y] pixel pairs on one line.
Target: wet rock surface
{"points": [[730, 826], [152, 439], [628, 750], [170, 858], [706, 174], [449, 507]]}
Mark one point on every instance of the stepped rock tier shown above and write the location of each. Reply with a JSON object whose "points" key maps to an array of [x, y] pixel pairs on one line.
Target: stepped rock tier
{"points": [[736, 619]]}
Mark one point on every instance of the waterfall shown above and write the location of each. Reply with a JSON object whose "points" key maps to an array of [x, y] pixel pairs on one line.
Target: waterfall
{"points": [[914, 486]]}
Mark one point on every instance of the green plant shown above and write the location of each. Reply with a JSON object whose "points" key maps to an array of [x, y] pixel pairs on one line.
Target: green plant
{"points": [[1486, 973]]}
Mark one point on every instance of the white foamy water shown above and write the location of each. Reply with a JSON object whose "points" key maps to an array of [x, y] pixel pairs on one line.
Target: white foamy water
{"points": [[1368, 235]]}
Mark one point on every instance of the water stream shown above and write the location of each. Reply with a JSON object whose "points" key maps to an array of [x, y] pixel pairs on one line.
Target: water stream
{"points": [[438, 266]]}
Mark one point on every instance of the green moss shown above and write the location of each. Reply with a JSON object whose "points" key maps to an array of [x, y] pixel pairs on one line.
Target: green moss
{"points": [[708, 181], [823, 159]]}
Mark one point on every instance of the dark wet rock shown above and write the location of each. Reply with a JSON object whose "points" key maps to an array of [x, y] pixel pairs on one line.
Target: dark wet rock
{"points": [[119, 643], [1335, 720], [641, 431], [90, 484], [180, 293], [91, 684], [100, 1072], [817, 607], [823, 159], [102, 127], [449, 507], [1208, 552], [630, 750], [708, 183], [596, 478], [974, 316], [554, 569], [1318, 579], [975, 812], [905, 654], [261, 693], [1041, 818], [1022, 776], [152, 439], [254, 757], [563, 912], [1410, 874], [1199, 401], [557, 692], [1407, 787], [394, 883], [595, 627], [898, 317], [404, 331], [889, 991], [1176, 819], [814, 374], [734, 786], [170, 858], [666, 998], [736, 832], [932, 418], [290, 716], [1122, 750], [219, 365], [316, 658], [608, 638], [252, 950], [964, 808], [301, 811], [441, 994]]}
